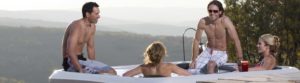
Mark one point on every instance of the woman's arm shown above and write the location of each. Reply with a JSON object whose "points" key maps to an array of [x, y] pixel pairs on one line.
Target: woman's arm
{"points": [[267, 65], [133, 72], [179, 70]]}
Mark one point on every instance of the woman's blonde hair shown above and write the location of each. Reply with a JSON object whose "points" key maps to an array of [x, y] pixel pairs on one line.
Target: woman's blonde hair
{"points": [[271, 40], [154, 53]]}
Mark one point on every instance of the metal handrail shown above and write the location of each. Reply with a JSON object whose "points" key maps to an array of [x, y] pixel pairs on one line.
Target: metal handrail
{"points": [[183, 47]]}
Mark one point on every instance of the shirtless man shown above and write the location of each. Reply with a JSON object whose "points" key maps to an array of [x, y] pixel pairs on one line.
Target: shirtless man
{"points": [[215, 26], [81, 33]]}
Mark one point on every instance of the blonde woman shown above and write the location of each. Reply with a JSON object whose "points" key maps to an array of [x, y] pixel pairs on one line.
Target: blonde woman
{"points": [[267, 47], [154, 66]]}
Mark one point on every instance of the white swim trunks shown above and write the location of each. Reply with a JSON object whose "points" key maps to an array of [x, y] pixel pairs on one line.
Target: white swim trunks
{"points": [[220, 57]]}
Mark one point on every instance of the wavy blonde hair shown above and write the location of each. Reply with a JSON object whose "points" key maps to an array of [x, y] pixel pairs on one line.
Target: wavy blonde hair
{"points": [[271, 40], [154, 53]]}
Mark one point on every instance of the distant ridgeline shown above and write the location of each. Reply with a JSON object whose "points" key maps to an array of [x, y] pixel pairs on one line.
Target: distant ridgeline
{"points": [[31, 54], [10, 80]]}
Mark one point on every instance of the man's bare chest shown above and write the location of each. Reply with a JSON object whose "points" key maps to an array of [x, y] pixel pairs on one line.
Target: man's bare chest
{"points": [[215, 30], [85, 36]]}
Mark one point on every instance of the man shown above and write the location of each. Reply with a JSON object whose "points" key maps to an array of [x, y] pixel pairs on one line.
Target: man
{"points": [[81, 33], [215, 26]]}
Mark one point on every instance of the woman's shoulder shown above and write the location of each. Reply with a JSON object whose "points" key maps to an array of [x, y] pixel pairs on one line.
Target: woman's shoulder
{"points": [[270, 59], [170, 65], [167, 63]]}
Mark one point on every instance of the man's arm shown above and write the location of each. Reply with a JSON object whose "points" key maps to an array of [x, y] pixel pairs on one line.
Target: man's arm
{"points": [[91, 45], [64, 43], [233, 35], [196, 42], [72, 45]]}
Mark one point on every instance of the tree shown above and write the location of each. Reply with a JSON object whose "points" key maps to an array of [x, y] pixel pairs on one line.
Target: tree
{"points": [[256, 17]]}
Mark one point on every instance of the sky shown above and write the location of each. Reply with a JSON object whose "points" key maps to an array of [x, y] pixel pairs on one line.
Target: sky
{"points": [[180, 13], [159, 11], [21, 5]]}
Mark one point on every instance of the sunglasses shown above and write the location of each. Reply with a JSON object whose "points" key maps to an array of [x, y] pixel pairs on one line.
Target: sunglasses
{"points": [[215, 11]]}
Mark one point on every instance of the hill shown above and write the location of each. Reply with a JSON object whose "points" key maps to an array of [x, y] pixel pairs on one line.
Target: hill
{"points": [[135, 20]]}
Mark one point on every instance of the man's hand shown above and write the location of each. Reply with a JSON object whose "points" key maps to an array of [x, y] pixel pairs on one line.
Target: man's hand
{"points": [[192, 65], [81, 71], [240, 58]]}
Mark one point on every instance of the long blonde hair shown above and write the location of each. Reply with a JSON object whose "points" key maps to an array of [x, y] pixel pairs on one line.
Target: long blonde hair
{"points": [[271, 40], [154, 53]]}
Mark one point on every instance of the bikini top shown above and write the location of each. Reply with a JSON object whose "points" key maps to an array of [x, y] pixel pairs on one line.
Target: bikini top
{"points": [[260, 63]]}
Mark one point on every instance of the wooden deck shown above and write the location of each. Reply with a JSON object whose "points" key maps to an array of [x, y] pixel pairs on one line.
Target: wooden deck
{"points": [[271, 78]]}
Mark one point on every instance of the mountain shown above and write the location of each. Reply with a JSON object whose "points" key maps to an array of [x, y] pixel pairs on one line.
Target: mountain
{"points": [[170, 21], [169, 15], [20, 22]]}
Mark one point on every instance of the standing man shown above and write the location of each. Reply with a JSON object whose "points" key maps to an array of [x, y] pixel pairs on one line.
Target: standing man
{"points": [[80, 33], [216, 26]]}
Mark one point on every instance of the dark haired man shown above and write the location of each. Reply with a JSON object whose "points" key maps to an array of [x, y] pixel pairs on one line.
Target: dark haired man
{"points": [[80, 33], [216, 26]]}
